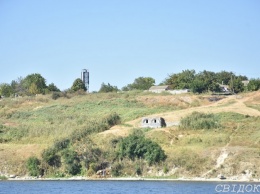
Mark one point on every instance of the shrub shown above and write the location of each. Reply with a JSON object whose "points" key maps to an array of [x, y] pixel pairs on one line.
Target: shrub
{"points": [[200, 121], [136, 146], [165, 169], [92, 169], [56, 95], [3, 177], [91, 157], [116, 169], [113, 119], [62, 144], [138, 170], [32, 165], [51, 157], [72, 162]]}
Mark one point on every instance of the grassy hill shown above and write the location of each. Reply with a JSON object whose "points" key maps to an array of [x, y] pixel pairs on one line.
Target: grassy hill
{"points": [[31, 126]]}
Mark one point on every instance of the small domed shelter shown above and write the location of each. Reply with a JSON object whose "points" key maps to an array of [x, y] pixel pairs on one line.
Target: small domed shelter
{"points": [[153, 122]]}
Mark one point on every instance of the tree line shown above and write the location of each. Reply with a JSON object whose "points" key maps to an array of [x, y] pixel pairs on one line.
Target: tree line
{"points": [[34, 84], [202, 82]]}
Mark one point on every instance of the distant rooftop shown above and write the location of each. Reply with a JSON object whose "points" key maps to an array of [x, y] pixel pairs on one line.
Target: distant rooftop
{"points": [[165, 87]]}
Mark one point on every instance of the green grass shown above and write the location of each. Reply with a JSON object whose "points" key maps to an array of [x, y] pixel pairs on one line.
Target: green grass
{"points": [[198, 121], [54, 119], [3, 178], [42, 120]]}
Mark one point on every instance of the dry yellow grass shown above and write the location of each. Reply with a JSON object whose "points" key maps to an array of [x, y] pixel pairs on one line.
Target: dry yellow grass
{"points": [[236, 104], [12, 156]]}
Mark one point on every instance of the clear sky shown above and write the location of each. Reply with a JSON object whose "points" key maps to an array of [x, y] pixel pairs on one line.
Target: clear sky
{"points": [[120, 40]]}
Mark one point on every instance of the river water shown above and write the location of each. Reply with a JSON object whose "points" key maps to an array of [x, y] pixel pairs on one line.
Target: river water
{"points": [[124, 187]]}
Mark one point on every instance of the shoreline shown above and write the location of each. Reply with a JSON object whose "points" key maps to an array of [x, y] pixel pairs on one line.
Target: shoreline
{"points": [[195, 179]]}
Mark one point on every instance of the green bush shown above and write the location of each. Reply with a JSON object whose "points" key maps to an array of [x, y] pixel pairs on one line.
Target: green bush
{"points": [[92, 169], [72, 162], [3, 177], [32, 165], [91, 156], [165, 169], [113, 119], [200, 121], [62, 144], [137, 146], [117, 169], [13, 133], [138, 170], [51, 157], [56, 95]]}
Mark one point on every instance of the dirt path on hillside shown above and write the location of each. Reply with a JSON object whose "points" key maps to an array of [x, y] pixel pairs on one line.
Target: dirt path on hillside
{"points": [[230, 104], [234, 103]]}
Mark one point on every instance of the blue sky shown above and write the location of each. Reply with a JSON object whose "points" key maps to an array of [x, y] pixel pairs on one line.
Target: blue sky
{"points": [[120, 40]]}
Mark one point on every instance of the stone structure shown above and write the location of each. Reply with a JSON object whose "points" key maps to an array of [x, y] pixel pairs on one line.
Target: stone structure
{"points": [[155, 122], [245, 82], [158, 89]]}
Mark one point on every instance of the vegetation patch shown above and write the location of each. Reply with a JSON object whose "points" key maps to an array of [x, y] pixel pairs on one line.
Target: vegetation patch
{"points": [[200, 121], [68, 129], [33, 166], [70, 156], [3, 178], [136, 146], [190, 161]]}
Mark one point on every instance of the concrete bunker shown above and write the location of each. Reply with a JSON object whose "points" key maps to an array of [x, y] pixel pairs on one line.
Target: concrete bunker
{"points": [[153, 122]]}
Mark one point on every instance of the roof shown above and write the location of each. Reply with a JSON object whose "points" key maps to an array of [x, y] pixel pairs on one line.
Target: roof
{"points": [[224, 86], [159, 87]]}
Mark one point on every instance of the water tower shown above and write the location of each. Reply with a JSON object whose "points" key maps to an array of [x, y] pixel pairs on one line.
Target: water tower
{"points": [[85, 78]]}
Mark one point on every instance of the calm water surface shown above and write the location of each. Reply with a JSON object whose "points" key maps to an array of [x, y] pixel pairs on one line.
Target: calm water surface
{"points": [[107, 187]]}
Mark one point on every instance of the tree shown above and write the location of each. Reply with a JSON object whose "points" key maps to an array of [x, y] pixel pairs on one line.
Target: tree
{"points": [[33, 89], [209, 80], [140, 83], [78, 85], [18, 86], [107, 88], [236, 85], [198, 86], [224, 77], [253, 85], [181, 80], [186, 78], [34, 83], [6, 90], [172, 81], [229, 78], [53, 88]]}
